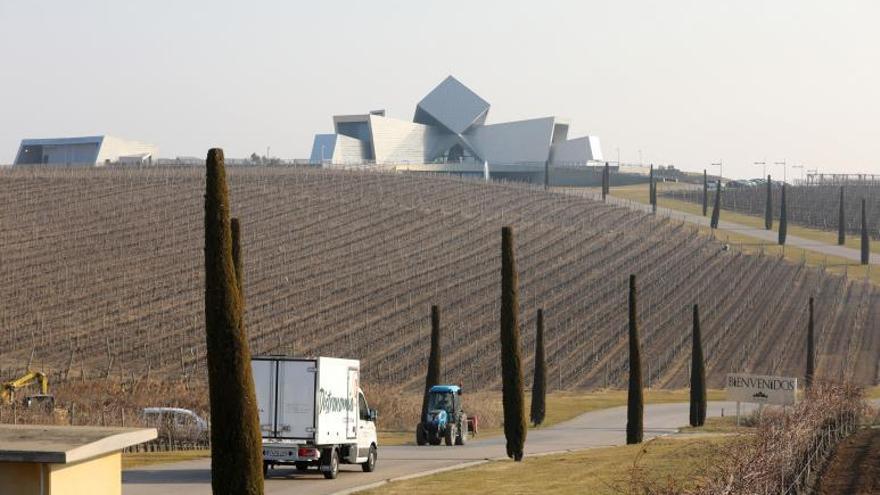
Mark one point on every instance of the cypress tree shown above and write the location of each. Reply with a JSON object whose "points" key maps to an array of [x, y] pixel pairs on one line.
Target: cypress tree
{"points": [[783, 218], [866, 246], [698, 374], [811, 350], [768, 205], [511, 360], [606, 181], [705, 192], [546, 175], [432, 377], [841, 221], [652, 191], [539, 382], [236, 444], [716, 209], [635, 401]]}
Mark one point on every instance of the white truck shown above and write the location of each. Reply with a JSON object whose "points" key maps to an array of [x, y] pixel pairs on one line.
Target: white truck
{"points": [[313, 413]]}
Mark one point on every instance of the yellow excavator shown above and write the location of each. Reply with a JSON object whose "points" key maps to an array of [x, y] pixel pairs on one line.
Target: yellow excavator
{"points": [[7, 393]]}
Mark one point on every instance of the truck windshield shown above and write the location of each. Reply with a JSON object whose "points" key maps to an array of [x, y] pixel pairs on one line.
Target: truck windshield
{"points": [[440, 400]]}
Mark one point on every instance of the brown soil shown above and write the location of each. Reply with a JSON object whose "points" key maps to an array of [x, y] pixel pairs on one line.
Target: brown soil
{"points": [[855, 467]]}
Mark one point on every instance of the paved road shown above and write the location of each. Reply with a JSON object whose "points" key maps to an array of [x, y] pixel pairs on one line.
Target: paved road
{"points": [[595, 429], [770, 236]]}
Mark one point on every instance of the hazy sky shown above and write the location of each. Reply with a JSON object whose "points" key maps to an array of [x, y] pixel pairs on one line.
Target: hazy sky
{"points": [[686, 82]]}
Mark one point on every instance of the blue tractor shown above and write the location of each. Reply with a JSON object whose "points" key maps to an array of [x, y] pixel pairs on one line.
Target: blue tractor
{"points": [[444, 420]]}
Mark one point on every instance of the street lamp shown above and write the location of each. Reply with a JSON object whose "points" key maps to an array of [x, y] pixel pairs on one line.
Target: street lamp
{"points": [[783, 169], [764, 164], [720, 170]]}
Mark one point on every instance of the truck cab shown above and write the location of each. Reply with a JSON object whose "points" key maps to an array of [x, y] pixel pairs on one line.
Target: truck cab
{"points": [[313, 414]]}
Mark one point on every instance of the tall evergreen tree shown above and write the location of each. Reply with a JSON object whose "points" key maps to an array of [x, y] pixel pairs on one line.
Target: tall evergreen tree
{"points": [[841, 220], [783, 218], [432, 377], [716, 209], [236, 443], [539, 382], [513, 401], [866, 242], [705, 192], [768, 205], [606, 181], [652, 193], [546, 175], [811, 350], [698, 374], [635, 400]]}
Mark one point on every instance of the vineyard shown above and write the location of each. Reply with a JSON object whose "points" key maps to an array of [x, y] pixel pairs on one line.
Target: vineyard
{"points": [[816, 206], [101, 278]]}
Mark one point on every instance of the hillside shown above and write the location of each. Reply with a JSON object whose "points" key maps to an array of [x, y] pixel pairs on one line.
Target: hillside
{"points": [[814, 206], [101, 274]]}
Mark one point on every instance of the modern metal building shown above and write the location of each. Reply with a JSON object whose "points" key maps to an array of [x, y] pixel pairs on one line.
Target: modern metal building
{"points": [[449, 133], [84, 151]]}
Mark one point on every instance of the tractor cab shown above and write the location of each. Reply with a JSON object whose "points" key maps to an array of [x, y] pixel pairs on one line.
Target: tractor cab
{"points": [[446, 398], [444, 419]]}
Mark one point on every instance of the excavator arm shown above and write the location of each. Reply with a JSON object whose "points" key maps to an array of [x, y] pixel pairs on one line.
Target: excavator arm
{"points": [[10, 387]]}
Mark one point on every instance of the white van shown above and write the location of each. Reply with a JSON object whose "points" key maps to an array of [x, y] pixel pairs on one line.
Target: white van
{"points": [[313, 413]]}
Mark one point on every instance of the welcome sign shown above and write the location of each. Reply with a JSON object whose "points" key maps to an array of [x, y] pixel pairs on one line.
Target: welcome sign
{"points": [[761, 389]]}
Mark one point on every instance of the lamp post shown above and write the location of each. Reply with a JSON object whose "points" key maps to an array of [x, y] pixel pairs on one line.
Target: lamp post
{"points": [[720, 166], [783, 169], [764, 164]]}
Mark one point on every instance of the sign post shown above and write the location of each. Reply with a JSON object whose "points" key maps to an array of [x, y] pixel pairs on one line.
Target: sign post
{"points": [[760, 389]]}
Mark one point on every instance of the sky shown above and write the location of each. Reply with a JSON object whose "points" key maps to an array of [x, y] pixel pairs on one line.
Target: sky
{"points": [[688, 83]]}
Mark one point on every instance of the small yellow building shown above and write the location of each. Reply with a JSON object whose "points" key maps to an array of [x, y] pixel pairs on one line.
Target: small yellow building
{"points": [[64, 460]]}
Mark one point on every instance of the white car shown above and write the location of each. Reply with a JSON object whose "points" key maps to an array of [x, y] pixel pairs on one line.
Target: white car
{"points": [[175, 422]]}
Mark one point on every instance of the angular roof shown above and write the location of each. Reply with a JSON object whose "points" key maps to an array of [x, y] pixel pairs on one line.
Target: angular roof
{"points": [[453, 106], [62, 141]]}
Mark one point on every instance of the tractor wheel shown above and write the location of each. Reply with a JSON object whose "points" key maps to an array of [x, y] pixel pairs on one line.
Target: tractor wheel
{"points": [[461, 438], [370, 465], [449, 436], [421, 437], [330, 469]]}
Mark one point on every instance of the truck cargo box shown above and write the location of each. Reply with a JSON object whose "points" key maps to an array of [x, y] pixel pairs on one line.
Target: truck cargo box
{"points": [[307, 400]]}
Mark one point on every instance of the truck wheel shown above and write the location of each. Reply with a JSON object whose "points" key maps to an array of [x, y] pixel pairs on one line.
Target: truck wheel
{"points": [[266, 466], [330, 466], [449, 436], [370, 465], [421, 438]]}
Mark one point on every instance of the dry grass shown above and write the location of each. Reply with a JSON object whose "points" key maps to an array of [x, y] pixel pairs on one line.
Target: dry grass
{"points": [[601, 471], [132, 460]]}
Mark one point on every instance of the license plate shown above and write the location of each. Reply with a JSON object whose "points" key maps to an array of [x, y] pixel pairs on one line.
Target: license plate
{"points": [[279, 453]]}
